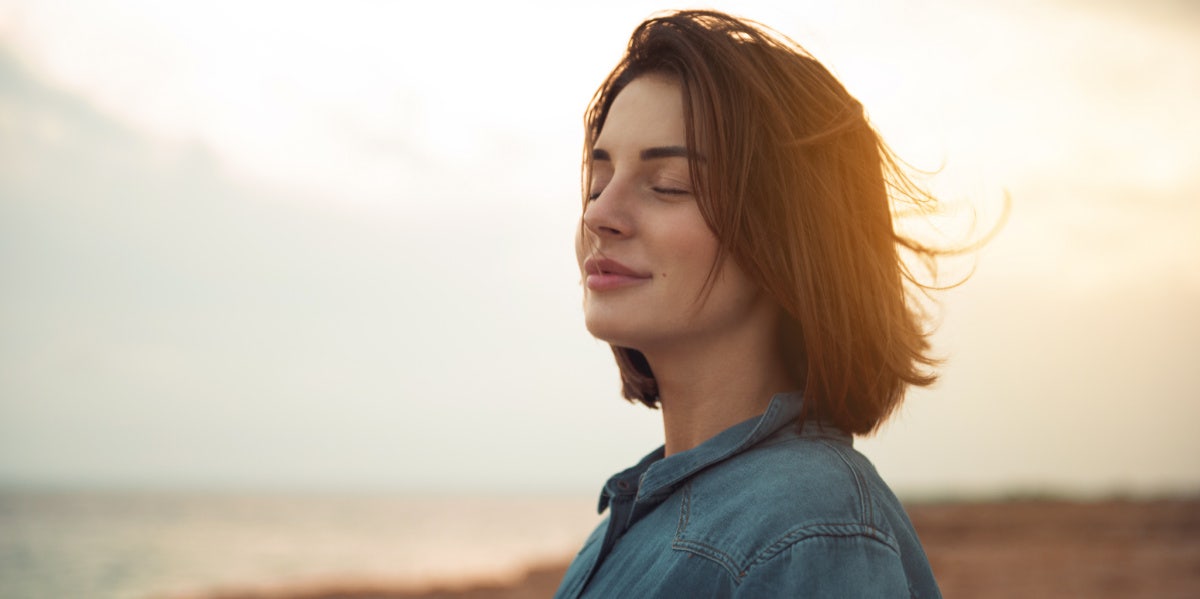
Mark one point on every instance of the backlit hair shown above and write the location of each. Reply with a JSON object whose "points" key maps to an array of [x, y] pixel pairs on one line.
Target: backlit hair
{"points": [[800, 192]]}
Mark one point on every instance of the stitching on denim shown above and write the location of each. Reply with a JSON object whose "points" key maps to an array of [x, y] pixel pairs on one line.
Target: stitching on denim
{"points": [[695, 547], [712, 553], [685, 510], [838, 530], [865, 504]]}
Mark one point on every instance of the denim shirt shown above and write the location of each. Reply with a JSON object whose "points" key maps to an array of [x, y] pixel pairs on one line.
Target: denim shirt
{"points": [[759, 510]]}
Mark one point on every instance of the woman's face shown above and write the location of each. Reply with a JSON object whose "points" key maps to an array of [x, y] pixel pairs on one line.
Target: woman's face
{"points": [[644, 249]]}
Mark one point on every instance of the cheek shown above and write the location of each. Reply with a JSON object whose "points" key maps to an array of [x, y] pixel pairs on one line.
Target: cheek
{"points": [[693, 248], [735, 285]]}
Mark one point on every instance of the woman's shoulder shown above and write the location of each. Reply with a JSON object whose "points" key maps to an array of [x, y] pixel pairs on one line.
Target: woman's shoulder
{"points": [[791, 487], [804, 515]]}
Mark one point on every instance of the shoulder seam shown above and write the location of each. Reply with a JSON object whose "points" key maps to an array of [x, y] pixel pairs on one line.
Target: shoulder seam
{"points": [[819, 531], [865, 504]]}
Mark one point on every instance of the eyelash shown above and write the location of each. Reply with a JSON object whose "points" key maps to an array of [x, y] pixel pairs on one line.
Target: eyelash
{"points": [[663, 190], [670, 191]]}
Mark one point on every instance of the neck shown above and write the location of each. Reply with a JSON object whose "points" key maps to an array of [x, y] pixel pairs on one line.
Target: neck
{"points": [[706, 388]]}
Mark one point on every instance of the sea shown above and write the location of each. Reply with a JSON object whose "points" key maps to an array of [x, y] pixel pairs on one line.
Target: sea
{"points": [[159, 545]]}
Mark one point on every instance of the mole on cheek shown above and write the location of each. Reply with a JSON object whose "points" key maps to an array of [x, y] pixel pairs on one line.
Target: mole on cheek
{"points": [[664, 275]]}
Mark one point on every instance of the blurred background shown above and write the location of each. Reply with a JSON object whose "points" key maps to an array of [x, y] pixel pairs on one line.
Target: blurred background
{"points": [[269, 253]]}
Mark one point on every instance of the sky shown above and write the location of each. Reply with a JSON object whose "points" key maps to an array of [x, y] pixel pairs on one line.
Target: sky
{"points": [[310, 245]]}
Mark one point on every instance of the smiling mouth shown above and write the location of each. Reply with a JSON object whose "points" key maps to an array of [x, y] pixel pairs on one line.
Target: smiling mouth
{"points": [[604, 274]]}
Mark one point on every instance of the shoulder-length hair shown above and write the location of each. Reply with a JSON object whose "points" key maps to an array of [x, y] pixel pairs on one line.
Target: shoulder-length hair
{"points": [[800, 192]]}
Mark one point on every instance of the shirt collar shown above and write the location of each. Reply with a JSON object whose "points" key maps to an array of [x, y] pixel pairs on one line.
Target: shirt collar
{"points": [[656, 477]]}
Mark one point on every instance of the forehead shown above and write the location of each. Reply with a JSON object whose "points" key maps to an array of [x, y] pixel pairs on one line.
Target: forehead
{"points": [[648, 112]]}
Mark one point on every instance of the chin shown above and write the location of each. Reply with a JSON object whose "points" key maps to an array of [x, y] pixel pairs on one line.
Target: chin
{"points": [[605, 329], [604, 332]]}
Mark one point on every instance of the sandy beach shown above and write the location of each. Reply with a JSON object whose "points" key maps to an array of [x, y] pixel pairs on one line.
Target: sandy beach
{"points": [[1021, 548]]}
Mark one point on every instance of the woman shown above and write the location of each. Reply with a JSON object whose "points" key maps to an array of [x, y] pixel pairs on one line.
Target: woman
{"points": [[738, 254]]}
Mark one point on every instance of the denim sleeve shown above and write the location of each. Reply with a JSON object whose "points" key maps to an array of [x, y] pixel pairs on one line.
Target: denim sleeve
{"points": [[829, 566]]}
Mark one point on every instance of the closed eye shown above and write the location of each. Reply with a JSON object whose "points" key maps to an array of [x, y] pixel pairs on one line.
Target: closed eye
{"points": [[670, 191]]}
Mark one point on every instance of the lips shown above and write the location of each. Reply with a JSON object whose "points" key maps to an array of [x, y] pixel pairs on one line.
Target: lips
{"points": [[604, 274]]}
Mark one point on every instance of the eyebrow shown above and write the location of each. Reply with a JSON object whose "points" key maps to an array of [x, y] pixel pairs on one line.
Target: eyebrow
{"points": [[654, 153]]}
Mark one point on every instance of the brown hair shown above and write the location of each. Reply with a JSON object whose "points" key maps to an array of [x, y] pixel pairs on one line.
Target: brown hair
{"points": [[800, 191]]}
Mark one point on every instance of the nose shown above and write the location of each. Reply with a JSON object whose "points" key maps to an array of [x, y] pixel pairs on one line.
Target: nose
{"points": [[608, 215]]}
